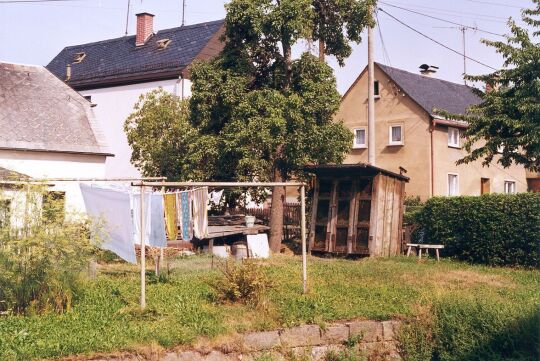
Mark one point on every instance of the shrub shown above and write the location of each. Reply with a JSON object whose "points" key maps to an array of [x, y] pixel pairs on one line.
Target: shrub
{"points": [[42, 254], [493, 229], [244, 282]]}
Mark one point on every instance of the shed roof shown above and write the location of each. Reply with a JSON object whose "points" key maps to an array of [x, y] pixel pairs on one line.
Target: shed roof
{"points": [[431, 93], [352, 169], [39, 112], [119, 59], [11, 175]]}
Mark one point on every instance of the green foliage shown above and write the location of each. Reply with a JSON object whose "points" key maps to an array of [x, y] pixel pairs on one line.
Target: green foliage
{"points": [[164, 143], [42, 254], [344, 355], [413, 208], [244, 282], [507, 119], [494, 229]]}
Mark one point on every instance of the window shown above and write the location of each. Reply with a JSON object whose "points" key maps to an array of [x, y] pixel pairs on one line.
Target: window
{"points": [[453, 137], [376, 88], [509, 187], [359, 138], [79, 57], [453, 184], [395, 134], [5, 212]]}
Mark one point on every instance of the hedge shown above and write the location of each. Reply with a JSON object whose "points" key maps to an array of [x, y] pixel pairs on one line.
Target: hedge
{"points": [[493, 229]]}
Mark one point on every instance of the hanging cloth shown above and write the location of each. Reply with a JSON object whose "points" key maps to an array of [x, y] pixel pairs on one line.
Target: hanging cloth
{"points": [[183, 210], [170, 216], [111, 210], [215, 197], [154, 217], [200, 212]]}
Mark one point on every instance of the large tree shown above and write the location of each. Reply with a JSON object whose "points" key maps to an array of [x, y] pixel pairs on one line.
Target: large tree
{"points": [[270, 112], [163, 141], [506, 124]]}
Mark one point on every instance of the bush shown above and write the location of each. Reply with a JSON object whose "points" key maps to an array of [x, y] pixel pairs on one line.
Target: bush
{"points": [[42, 254], [244, 282], [493, 229]]}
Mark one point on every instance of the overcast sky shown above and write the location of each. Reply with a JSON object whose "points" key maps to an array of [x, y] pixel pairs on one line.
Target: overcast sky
{"points": [[34, 33]]}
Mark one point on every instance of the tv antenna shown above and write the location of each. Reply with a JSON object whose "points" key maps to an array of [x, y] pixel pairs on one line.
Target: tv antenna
{"points": [[183, 12], [463, 30]]}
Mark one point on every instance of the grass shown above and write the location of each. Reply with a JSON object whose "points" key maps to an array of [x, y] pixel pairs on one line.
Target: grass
{"points": [[460, 310]]}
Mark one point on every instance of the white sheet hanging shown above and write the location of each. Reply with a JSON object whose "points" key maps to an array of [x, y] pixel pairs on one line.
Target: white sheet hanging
{"points": [[258, 245], [111, 209], [154, 220]]}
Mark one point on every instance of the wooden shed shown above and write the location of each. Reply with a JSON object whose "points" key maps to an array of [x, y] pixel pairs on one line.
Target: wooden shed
{"points": [[357, 209]]}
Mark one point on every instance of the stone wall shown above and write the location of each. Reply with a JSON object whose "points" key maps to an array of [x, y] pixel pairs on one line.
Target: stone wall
{"points": [[374, 340]]}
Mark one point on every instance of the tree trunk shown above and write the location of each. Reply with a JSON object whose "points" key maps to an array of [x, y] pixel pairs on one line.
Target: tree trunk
{"points": [[321, 49], [276, 214]]}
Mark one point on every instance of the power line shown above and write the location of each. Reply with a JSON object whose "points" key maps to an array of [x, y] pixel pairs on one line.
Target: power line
{"points": [[385, 52], [440, 19], [496, 4], [436, 41], [455, 13]]}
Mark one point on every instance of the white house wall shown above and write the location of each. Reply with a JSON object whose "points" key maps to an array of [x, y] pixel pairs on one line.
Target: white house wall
{"points": [[56, 165], [113, 106]]}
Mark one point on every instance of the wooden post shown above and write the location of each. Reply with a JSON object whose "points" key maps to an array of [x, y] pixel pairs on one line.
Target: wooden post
{"points": [[143, 253], [303, 234]]}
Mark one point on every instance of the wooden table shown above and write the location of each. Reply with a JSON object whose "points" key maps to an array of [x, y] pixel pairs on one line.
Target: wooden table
{"points": [[426, 247]]}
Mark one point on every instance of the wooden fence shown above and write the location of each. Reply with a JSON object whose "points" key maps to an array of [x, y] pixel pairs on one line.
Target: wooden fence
{"points": [[291, 218]]}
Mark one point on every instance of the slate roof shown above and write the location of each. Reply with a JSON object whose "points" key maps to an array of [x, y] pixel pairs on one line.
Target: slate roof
{"points": [[432, 93], [39, 112], [119, 58]]}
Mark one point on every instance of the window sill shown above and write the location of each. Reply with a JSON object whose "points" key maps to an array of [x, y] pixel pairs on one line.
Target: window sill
{"points": [[359, 147], [396, 144], [454, 146]]}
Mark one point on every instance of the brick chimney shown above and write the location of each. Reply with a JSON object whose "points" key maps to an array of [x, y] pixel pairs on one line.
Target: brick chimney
{"points": [[145, 28]]}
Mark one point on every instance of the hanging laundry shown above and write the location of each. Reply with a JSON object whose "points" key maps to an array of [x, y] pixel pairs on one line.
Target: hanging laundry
{"points": [[154, 225], [113, 208], [215, 197], [200, 212], [170, 216], [183, 209]]}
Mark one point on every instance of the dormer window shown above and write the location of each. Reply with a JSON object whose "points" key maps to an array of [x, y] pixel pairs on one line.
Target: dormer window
{"points": [[163, 43], [79, 57]]}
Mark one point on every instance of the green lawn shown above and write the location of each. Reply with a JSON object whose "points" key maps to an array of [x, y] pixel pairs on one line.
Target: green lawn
{"points": [[467, 312]]}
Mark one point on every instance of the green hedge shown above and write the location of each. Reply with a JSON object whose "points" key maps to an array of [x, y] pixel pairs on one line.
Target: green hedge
{"points": [[493, 229]]}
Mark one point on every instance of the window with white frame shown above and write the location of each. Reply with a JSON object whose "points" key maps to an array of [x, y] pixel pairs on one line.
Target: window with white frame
{"points": [[395, 135], [360, 138], [453, 137], [453, 184], [509, 187]]}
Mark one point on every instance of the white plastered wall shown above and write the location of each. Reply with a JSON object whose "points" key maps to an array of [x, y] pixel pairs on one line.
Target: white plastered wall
{"points": [[113, 106]]}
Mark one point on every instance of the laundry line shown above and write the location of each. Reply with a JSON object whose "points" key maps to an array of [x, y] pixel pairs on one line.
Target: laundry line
{"points": [[142, 184]]}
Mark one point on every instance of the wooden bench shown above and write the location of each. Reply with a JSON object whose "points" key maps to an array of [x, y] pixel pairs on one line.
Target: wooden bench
{"points": [[427, 247]]}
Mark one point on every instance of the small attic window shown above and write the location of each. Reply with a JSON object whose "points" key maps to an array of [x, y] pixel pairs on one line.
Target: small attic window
{"points": [[163, 43], [79, 57]]}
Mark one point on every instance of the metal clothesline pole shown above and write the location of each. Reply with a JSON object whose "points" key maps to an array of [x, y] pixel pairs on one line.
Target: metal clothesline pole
{"points": [[247, 184], [143, 253]]}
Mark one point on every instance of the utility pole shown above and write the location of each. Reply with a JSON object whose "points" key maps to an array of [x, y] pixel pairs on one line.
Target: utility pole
{"points": [[127, 18], [371, 97], [183, 12], [463, 30]]}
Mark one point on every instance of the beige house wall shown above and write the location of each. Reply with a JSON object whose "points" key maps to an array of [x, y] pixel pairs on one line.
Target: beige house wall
{"points": [[469, 175], [390, 109], [396, 107]]}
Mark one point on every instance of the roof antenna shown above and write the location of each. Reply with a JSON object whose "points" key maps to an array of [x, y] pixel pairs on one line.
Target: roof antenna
{"points": [[127, 18], [183, 12]]}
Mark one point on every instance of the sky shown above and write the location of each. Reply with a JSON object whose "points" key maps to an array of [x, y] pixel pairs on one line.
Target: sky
{"points": [[33, 33]]}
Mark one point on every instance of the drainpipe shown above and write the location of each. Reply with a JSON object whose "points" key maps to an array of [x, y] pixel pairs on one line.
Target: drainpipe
{"points": [[431, 161], [180, 87]]}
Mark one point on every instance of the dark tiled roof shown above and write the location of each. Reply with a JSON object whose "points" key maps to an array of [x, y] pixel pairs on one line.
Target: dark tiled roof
{"points": [[360, 168], [39, 112], [120, 58], [432, 93]]}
